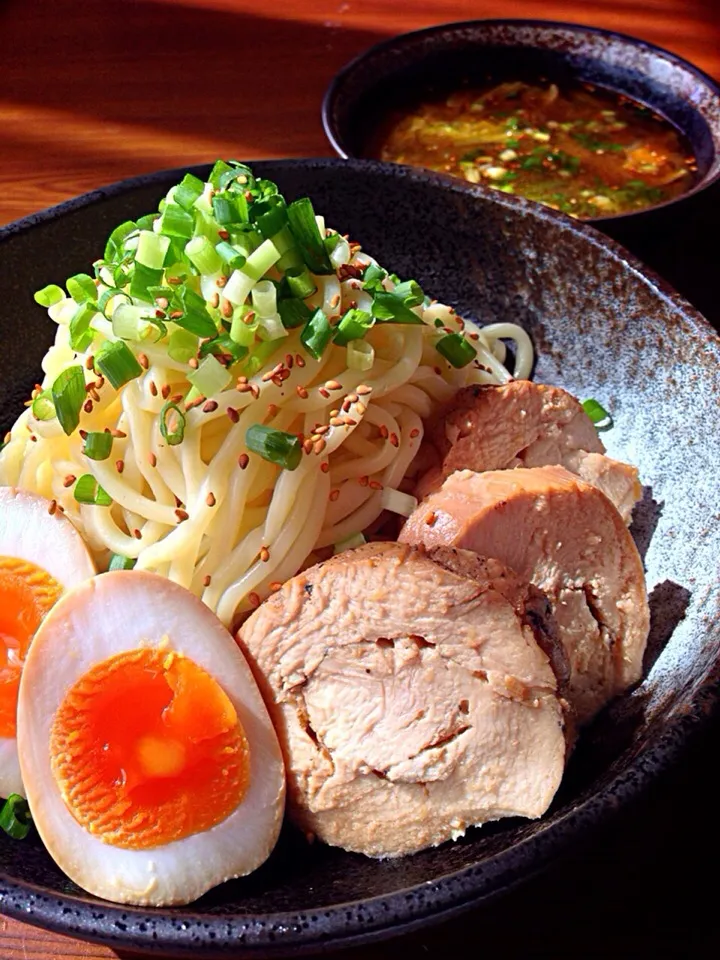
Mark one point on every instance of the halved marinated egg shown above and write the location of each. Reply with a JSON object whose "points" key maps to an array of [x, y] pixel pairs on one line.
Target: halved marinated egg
{"points": [[151, 765], [41, 556]]}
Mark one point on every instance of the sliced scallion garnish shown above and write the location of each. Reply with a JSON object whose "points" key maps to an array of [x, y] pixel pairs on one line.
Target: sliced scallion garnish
{"points": [[116, 361], [598, 414], [15, 817], [188, 190], [230, 257], [203, 256], [119, 562], [81, 287], [43, 407], [224, 345], [353, 326], [373, 278], [115, 247], [301, 218], [410, 292], [88, 490], [98, 445], [81, 335], [49, 295], [316, 334], [172, 423], [276, 446], [182, 346], [194, 313], [210, 378], [300, 283], [176, 222], [68, 394], [456, 349], [389, 307], [293, 312], [360, 355]]}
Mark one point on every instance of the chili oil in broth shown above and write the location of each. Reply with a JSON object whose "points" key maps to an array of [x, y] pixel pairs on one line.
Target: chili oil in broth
{"points": [[576, 148]]}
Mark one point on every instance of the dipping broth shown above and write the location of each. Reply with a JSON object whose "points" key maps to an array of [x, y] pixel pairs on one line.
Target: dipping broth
{"points": [[579, 149]]}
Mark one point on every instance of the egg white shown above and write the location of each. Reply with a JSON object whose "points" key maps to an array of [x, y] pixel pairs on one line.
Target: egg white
{"points": [[29, 532], [108, 615]]}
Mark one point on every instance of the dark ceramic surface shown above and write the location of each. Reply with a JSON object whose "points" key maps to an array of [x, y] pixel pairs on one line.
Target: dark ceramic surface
{"points": [[603, 328], [678, 239]]}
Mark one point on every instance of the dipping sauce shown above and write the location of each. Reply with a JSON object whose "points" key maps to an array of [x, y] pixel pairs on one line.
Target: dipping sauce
{"points": [[579, 149]]}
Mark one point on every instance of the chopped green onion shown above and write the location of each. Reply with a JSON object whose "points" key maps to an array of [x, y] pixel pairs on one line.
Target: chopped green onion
{"points": [[188, 191], [276, 446], [243, 333], [301, 218], [410, 292], [261, 259], [172, 423], [224, 345], [349, 543], [130, 322], [456, 349], [147, 222], [203, 256], [142, 279], [264, 298], [230, 257], [218, 171], [108, 296], [230, 208], [115, 248], [195, 316], [353, 326], [68, 394], [88, 490], [210, 378], [98, 445], [119, 562], [176, 222], [182, 346], [15, 817], [238, 287], [397, 502], [598, 414], [316, 334], [389, 307], [152, 249], [81, 335], [245, 238], [360, 355], [49, 295], [43, 407], [293, 312], [271, 328], [373, 278], [300, 282], [117, 363], [81, 287]]}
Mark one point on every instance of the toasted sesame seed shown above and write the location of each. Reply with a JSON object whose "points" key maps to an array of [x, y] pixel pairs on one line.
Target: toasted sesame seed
{"points": [[242, 380], [414, 433], [301, 392], [244, 388], [90, 362], [226, 308], [176, 398], [137, 534], [119, 465], [349, 422], [249, 318], [152, 459], [275, 586], [323, 393], [210, 406], [319, 446], [192, 362], [320, 430], [153, 388], [351, 398], [334, 494], [165, 391], [307, 445], [143, 361], [221, 281], [364, 480], [299, 360], [375, 485], [233, 415], [243, 461], [254, 599], [384, 432], [33, 438], [264, 554], [83, 434], [118, 434], [88, 406], [334, 413], [69, 480], [210, 499], [333, 385], [325, 466], [360, 408], [207, 580], [289, 361], [394, 440], [52, 507], [215, 300], [272, 410], [363, 390], [255, 390], [431, 518], [181, 515], [335, 422]]}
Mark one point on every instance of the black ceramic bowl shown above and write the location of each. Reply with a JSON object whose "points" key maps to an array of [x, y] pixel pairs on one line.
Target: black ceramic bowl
{"points": [[602, 326], [673, 237]]}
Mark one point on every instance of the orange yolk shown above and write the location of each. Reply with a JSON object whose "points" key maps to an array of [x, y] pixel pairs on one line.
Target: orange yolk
{"points": [[147, 748], [27, 593]]}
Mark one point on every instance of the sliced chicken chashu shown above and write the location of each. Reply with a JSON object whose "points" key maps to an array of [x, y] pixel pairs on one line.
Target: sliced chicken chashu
{"points": [[566, 537], [525, 424], [411, 694]]}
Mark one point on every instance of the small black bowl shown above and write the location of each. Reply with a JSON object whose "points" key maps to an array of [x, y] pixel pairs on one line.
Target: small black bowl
{"points": [[668, 235]]}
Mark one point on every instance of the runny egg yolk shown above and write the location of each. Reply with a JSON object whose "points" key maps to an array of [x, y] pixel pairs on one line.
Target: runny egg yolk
{"points": [[27, 592], [147, 748]]}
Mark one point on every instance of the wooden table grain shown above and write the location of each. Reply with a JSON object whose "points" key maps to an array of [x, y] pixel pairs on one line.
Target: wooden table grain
{"points": [[95, 91]]}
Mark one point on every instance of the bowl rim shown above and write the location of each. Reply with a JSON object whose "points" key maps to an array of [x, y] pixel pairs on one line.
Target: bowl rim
{"points": [[364, 921], [412, 36]]}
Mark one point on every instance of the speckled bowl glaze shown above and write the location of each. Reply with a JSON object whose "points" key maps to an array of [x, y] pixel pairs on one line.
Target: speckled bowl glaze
{"points": [[603, 327]]}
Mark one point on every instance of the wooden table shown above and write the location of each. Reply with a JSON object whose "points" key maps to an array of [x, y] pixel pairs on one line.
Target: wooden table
{"points": [[95, 91]]}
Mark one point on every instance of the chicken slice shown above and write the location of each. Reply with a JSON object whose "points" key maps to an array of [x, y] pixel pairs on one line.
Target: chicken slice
{"points": [[411, 694], [524, 424], [566, 537]]}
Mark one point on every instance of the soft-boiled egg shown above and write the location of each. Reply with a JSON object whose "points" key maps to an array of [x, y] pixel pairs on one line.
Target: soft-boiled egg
{"points": [[151, 766], [41, 556]]}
